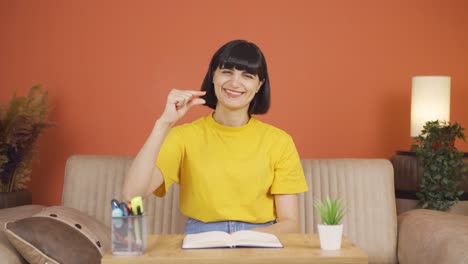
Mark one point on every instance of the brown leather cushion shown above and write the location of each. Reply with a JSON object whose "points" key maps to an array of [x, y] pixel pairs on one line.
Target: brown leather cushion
{"points": [[59, 235]]}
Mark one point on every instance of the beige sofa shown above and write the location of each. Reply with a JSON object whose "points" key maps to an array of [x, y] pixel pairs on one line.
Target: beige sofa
{"points": [[366, 185]]}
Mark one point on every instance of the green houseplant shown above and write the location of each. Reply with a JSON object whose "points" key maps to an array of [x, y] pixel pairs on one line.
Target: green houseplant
{"points": [[22, 121], [442, 165], [331, 212]]}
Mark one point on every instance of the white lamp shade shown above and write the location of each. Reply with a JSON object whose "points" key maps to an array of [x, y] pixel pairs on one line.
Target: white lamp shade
{"points": [[430, 101]]}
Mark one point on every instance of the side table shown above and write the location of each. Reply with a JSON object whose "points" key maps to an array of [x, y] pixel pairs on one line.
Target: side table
{"points": [[17, 198]]}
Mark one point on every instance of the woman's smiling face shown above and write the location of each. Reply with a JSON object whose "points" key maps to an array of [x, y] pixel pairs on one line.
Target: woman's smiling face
{"points": [[235, 89]]}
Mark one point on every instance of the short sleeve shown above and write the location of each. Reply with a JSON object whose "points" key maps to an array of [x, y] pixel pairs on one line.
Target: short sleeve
{"points": [[289, 176], [169, 160]]}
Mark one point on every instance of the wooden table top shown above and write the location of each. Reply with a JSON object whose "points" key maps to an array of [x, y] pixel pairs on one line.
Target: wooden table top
{"points": [[298, 248]]}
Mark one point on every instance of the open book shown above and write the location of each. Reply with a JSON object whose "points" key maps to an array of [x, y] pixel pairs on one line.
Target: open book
{"points": [[245, 238]]}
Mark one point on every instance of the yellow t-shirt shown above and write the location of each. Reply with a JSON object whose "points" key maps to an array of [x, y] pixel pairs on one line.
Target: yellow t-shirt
{"points": [[230, 173]]}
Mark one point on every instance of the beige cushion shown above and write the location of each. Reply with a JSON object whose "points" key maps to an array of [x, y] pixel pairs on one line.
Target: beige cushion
{"points": [[59, 235], [8, 254], [432, 237], [91, 182]]}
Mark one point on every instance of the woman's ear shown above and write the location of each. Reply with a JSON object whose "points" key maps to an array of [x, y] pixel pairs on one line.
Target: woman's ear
{"points": [[260, 85]]}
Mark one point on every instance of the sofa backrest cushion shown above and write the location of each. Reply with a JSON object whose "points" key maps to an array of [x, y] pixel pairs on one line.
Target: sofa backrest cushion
{"points": [[366, 186], [367, 189], [91, 182]]}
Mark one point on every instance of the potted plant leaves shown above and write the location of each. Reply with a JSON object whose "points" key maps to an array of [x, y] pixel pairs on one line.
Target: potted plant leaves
{"points": [[442, 165], [22, 120], [331, 212]]}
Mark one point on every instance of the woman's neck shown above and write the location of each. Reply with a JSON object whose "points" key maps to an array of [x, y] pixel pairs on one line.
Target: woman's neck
{"points": [[231, 118]]}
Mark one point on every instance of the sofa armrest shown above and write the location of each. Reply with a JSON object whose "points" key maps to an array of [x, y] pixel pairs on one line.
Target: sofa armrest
{"points": [[427, 236], [8, 254]]}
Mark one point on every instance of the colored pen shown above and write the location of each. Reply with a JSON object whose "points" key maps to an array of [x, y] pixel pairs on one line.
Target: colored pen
{"points": [[124, 208], [114, 204], [137, 202]]}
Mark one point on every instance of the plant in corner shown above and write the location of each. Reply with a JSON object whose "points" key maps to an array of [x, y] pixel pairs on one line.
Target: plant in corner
{"points": [[22, 120], [442, 165], [331, 212]]}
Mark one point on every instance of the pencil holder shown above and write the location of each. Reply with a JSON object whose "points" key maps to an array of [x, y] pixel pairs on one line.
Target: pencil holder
{"points": [[129, 235]]}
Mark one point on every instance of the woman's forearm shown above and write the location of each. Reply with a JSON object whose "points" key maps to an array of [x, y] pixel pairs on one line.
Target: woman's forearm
{"points": [[287, 215], [143, 176], [284, 226]]}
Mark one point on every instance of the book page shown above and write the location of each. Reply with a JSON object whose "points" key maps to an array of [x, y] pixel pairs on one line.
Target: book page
{"points": [[207, 240], [248, 238]]}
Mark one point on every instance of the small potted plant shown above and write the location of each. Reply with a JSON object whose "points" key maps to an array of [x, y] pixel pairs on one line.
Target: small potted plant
{"points": [[331, 212]]}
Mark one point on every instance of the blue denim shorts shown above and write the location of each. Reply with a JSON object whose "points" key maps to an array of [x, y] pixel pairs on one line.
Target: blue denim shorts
{"points": [[194, 226]]}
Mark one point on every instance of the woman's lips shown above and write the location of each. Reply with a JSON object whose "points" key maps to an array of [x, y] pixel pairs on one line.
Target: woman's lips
{"points": [[233, 93]]}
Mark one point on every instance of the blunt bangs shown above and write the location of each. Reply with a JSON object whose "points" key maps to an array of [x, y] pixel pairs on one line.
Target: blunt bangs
{"points": [[242, 57]]}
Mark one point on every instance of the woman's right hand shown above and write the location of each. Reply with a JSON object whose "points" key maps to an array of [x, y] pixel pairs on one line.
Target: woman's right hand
{"points": [[179, 102]]}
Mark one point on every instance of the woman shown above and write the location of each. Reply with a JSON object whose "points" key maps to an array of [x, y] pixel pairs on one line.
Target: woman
{"points": [[234, 171]]}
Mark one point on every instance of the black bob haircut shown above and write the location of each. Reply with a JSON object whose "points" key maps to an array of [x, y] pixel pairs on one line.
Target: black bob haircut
{"points": [[243, 56]]}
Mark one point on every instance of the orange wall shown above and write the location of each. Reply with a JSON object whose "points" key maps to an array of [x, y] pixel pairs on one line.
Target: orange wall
{"points": [[340, 70]]}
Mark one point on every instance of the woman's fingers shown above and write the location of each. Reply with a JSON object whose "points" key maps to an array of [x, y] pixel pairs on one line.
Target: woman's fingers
{"points": [[178, 103], [195, 93], [196, 101], [180, 100], [183, 98]]}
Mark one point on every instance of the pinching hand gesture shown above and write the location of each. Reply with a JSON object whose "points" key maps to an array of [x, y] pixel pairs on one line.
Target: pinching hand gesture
{"points": [[179, 102]]}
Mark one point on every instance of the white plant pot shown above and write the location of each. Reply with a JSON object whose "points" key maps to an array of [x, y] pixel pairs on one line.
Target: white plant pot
{"points": [[330, 236]]}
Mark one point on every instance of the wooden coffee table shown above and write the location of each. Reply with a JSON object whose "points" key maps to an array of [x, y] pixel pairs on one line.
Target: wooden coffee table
{"points": [[298, 248]]}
